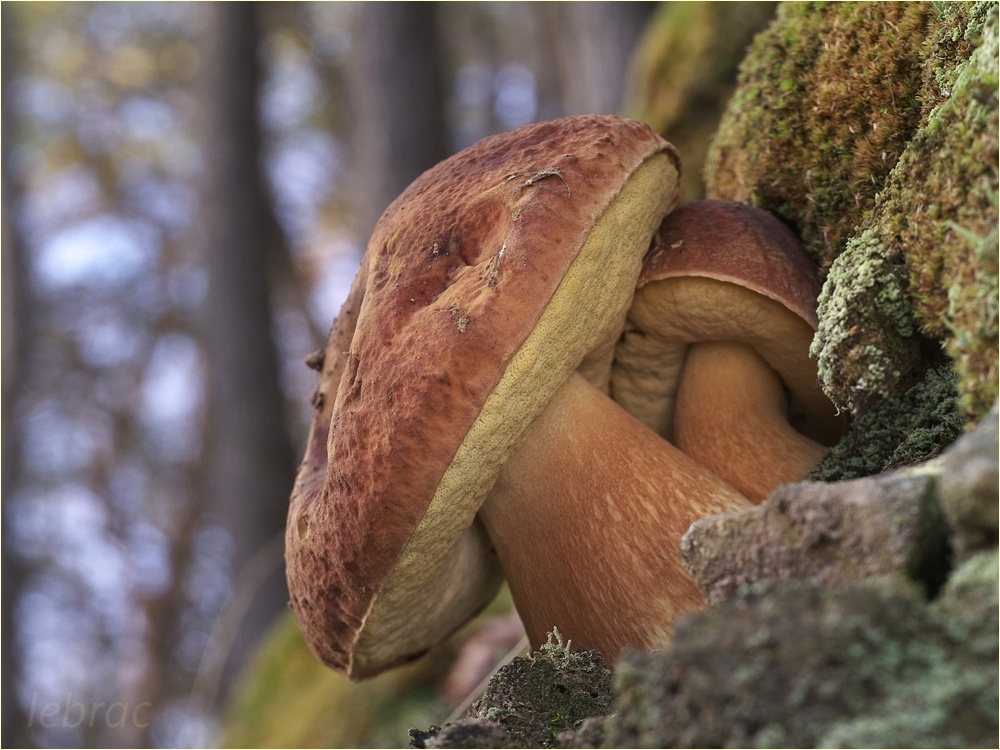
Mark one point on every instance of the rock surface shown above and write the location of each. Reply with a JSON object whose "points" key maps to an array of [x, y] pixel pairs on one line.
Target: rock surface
{"points": [[798, 665], [968, 489], [832, 533], [840, 532]]}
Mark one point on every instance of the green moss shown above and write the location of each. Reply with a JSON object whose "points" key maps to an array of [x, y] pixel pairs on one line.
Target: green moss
{"points": [[531, 702], [946, 188], [955, 35], [899, 432], [881, 150], [826, 103], [924, 256], [535, 699]]}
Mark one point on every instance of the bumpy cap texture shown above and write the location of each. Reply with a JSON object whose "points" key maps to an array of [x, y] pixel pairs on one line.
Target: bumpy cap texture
{"points": [[458, 273]]}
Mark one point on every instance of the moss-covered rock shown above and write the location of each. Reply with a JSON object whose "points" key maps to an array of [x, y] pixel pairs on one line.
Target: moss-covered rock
{"points": [[828, 99], [800, 666], [940, 206], [953, 702], [531, 700], [835, 533], [872, 129], [925, 256]]}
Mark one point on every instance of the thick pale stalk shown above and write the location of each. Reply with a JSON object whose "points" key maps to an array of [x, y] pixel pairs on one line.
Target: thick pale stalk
{"points": [[732, 417], [587, 518]]}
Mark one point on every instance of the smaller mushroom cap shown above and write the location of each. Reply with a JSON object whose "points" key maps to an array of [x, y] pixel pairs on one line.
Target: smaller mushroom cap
{"points": [[723, 271]]}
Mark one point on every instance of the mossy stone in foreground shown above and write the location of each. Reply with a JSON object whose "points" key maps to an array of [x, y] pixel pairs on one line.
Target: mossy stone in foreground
{"points": [[796, 665], [535, 699]]}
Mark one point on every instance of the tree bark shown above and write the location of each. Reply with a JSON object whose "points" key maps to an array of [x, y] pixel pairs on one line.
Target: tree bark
{"points": [[250, 461], [397, 93], [15, 320], [596, 41]]}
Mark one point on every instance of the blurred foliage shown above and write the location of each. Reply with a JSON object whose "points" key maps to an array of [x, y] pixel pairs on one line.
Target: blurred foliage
{"points": [[288, 698], [684, 72], [291, 700]]}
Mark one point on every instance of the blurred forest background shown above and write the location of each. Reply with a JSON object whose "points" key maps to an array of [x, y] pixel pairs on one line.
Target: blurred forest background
{"points": [[187, 191]]}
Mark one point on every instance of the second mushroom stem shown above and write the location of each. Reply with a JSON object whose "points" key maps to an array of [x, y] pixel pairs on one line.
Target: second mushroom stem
{"points": [[732, 417], [587, 517]]}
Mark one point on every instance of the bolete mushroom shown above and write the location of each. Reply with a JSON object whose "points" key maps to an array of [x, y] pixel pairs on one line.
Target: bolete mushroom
{"points": [[715, 357], [495, 289]]}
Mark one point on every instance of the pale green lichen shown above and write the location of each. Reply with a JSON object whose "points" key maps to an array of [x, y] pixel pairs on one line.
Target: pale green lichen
{"points": [[865, 343]]}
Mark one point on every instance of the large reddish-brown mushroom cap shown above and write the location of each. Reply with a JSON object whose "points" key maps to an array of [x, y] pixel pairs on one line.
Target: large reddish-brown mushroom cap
{"points": [[489, 280], [723, 271]]}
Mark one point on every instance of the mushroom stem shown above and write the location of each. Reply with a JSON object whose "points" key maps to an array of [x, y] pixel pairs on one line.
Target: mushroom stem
{"points": [[732, 417], [587, 517]]}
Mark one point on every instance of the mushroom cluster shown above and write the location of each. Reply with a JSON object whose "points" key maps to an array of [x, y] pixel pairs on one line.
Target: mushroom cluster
{"points": [[544, 373]]}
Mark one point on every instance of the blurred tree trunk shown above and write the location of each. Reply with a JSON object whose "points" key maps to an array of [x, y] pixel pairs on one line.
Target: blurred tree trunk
{"points": [[14, 318], [397, 96], [595, 42], [249, 459]]}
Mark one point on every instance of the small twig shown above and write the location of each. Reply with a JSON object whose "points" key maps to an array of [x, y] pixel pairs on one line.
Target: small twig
{"points": [[542, 174]]}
